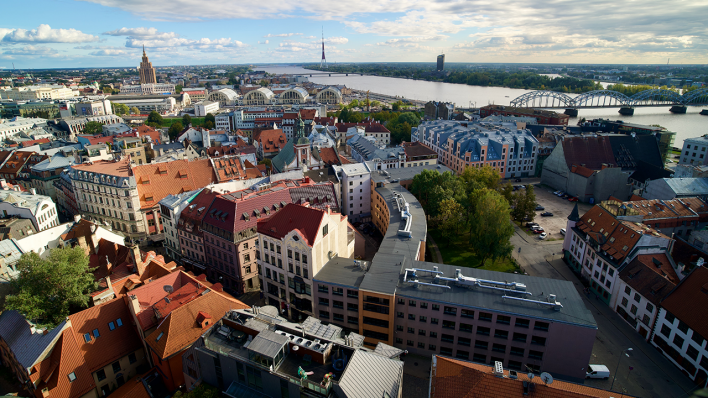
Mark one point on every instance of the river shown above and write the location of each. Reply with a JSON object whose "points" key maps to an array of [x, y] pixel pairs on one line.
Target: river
{"points": [[690, 125]]}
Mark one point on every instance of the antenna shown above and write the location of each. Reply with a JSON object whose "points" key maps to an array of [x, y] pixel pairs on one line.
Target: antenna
{"points": [[547, 378], [530, 375], [323, 62]]}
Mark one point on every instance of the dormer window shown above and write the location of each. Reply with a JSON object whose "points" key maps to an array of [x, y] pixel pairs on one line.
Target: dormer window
{"points": [[72, 377], [87, 337]]}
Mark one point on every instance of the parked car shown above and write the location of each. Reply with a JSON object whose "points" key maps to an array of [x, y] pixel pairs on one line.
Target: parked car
{"points": [[560, 194], [531, 224], [572, 199], [543, 235], [562, 231], [556, 192], [538, 231], [546, 214], [518, 180], [597, 372], [539, 207]]}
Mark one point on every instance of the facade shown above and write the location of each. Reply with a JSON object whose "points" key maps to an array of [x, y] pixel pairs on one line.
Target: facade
{"points": [[441, 63], [542, 116], [269, 143], [160, 105], [91, 108], [670, 188], [202, 108], [146, 71], [38, 208], [293, 245], [355, 180], [45, 173], [439, 110], [680, 328], [191, 239], [694, 151], [418, 154], [76, 125], [225, 97], [148, 89], [511, 151], [171, 208], [40, 92], [329, 95]]}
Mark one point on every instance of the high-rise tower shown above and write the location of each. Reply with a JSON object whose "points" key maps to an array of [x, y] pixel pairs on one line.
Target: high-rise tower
{"points": [[323, 63], [147, 72], [441, 62]]}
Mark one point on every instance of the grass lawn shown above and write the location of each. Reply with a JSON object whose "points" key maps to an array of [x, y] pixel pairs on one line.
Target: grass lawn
{"points": [[456, 251], [167, 122]]}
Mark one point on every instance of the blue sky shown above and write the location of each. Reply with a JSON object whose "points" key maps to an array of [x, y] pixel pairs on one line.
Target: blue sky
{"points": [[110, 33]]}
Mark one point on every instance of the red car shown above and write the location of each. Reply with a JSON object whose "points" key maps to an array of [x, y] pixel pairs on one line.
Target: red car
{"points": [[572, 199], [538, 231]]}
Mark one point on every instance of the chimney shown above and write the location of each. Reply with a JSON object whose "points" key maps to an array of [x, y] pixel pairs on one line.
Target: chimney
{"points": [[33, 191], [217, 287], [329, 210], [108, 282], [134, 304], [137, 258], [94, 238], [77, 217]]}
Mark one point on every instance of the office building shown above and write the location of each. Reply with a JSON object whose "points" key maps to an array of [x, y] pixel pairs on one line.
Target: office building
{"points": [[441, 63], [146, 71]]}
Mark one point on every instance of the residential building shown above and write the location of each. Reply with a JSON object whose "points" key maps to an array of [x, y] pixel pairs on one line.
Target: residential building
{"points": [[355, 180], [293, 245], [268, 143], [40, 209], [44, 174], [171, 207], [452, 378], [677, 216], [147, 89], [10, 254], [191, 238], [364, 149], [14, 163], [680, 328], [670, 188], [16, 228], [66, 200], [439, 110], [38, 92], [543, 116], [417, 154], [694, 151], [375, 131], [270, 356], [290, 121], [602, 242], [93, 107], [511, 151], [160, 105], [146, 71], [21, 124], [202, 108]]}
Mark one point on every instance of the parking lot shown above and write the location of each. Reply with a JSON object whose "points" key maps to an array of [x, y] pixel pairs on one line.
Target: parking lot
{"points": [[560, 208]]}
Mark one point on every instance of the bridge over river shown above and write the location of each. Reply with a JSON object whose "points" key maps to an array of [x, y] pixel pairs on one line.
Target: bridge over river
{"points": [[612, 99]]}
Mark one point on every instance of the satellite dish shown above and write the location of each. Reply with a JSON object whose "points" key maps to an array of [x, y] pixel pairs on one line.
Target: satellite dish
{"points": [[547, 378], [295, 348], [530, 375], [168, 288]]}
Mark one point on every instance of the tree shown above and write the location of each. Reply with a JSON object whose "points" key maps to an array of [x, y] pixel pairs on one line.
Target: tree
{"points": [[375, 104], [155, 118], [93, 128], [134, 111], [449, 218], [174, 130], [344, 115], [485, 177], [46, 289], [178, 89], [410, 118], [490, 228], [186, 119], [209, 118], [354, 103], [396, 106], [120, 109], [524, 202], [208, 125]]}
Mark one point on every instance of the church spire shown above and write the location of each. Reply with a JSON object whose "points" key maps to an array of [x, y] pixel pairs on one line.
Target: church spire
{"points": [[143, 50]]}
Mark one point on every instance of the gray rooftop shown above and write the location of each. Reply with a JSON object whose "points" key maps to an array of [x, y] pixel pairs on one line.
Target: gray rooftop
{"points": [[342, 271], [688, 186], [404, 173], [369, 375], [573, 311], [27, 347], [268, 343]]}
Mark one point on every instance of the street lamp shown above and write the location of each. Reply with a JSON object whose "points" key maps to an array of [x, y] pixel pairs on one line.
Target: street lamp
{"points": [[618, 365]]}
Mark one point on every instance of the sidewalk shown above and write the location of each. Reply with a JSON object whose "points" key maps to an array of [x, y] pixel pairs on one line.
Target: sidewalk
{"points": [[436, 250]]}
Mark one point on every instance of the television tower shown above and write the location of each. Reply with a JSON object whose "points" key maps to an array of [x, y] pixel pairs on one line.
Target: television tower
{"points": [[323, 63]]}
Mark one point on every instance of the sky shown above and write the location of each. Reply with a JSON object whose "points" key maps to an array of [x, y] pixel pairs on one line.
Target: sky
{"points": [[111, 33]]}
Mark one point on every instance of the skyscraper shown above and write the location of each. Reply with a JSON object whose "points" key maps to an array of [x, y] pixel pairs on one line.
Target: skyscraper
{"points": [[441, 62], [147, 72]]}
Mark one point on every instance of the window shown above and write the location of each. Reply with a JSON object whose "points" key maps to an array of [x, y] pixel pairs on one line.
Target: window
{"points": [[498, 347], [504, 320], [445, 351], [448, 325], [633, 310], [411, 330], [353, 320], [637, 297], [484, 316], [463, 354], [325, 230], [665, 330], [481, 358], [436, 307], [450, 311], [424, 305], [323, 301], [519, 352], [409, 343], [338, 291], [522, 323], [467, 313], [483, 345], [501, 334], [87, 337], [353, 307], [645, 319], [627, 290], [434, 321], [338, 317], [96, 334], [697, 338], [624, 301], [101, 375], [338, 304], [481, 330], [72, 377], [411, 303], [669, 317], [352, 293], [411, 317], [535, 354], [116, 367], [131, 358], [398, 314], [464, 341], [520, 337], [423, 319], [324, 314], [322, 289], [683, 327], [433, 335], [399, 340], [692, 352], [537, 340], [542, 326], [399, 328], [650, 307], [678, 341], [465, 327]]}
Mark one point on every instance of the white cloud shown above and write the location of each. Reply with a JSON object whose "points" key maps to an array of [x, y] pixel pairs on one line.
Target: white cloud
{"points": [[152, 38], [283, 34], [109, 52], [336, 40], [142, 33], [30, 51], [45, 34], [264, 42], [411, 40]]}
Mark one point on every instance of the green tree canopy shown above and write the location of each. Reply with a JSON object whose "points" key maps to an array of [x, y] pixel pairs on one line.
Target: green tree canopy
{"points": [[491, 228], [209, 118], [201, 391], [155, 117], [178, 88], [174, 130], [186, 119], [46, 289], [120, 109], [134, 110], [93, 128]]}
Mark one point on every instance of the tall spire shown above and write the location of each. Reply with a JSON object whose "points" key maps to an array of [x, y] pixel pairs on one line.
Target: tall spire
{"points": [[323, 63], [143, 50]]}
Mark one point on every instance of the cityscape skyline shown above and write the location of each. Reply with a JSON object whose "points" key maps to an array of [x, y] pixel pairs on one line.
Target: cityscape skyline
{"points": [[110, 33]]}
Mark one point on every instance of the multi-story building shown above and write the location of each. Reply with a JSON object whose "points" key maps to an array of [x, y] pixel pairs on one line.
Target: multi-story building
{"points": [[511, 151], [680, 327], [74, 126], [417, 154], [289, 121], [43, 174], [202, 108], [355, 180], [439, 110], [268, 143], [694, 151], [601, 243], [66, 200], [543, 116], [189, 229], [11, 129], [428, 308], [146, 71], [148, 89], [14, 162], [375, 131], [171, 207], [40, 92], [95, 107], [38, 208], [293, 245], [196, 94], [160, 105]]}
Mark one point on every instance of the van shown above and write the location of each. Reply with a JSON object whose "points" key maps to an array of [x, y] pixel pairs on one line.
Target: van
{"points": [[597, 372], [562, 231]]}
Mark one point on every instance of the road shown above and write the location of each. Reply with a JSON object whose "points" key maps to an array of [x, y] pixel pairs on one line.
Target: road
{"points": [[652, 374]]}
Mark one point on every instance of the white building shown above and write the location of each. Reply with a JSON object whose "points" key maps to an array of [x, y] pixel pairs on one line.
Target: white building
{"points": [[39, 92], [160, 105], [694, 151], [38, 208], [201, 108], [170, 210], [225, 97], [293, 245], [150, 88], [355, 180], [11, 128], [95, 107]]}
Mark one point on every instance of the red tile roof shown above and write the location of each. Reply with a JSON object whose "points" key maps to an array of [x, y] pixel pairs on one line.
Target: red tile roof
{"points": [[653, 281], [329, 156], [228, 168], [684, 253], [25, 144], [305, 114], [156, 181], [689, 301], [191, 217], [326, 121], [461, 379], [589, 151], [306, 220], [111, 345], [583, 171], [66, 358], [370, 126], [118, 169], [15, 162], [180, 328], [415, 149], [133, 388], [271, 140]]}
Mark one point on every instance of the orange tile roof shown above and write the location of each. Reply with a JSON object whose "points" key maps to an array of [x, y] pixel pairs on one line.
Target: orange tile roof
{"points": [[66, 358], [25, 144], [228, 168], [180, 329], [147, 131], [581, 170], [651, 280], [461, 379], [118, 169], [271, 140], [156, 181], [133, 388], [329, 156], [15, 162], [111, 345], [306, 220], [692, 290]]}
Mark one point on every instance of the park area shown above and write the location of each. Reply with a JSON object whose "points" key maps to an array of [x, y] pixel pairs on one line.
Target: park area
{"points": [[457, 251]]}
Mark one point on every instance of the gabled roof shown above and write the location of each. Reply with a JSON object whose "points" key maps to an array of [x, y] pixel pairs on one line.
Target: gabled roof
{"points": [[53, 372], [589, 151], [629, 150], [583, 171], [271, 140], [329, 156], [370, 375], [305, 220], [689, 301], [652, 275], [461, 379], [26, 345], [180, 329], [156, 181], [190, 219], [15, 162], [284, 157]]}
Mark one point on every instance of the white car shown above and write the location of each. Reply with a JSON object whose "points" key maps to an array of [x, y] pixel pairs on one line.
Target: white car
{"points": [[543, 235], [597, 372], [562, 231]]}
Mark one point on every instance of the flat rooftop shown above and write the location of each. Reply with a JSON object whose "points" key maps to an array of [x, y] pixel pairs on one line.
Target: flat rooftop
{"points": [[343, 271], [573, 311]]}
